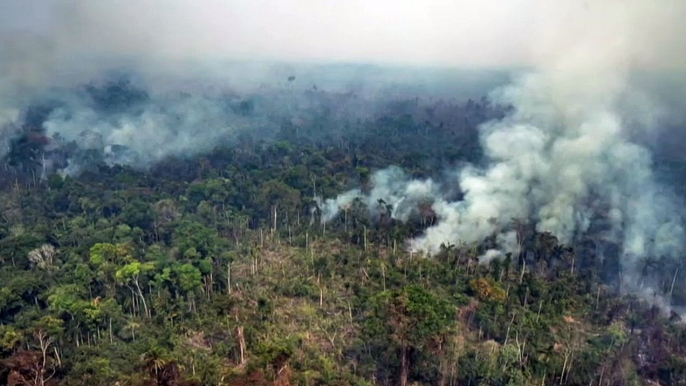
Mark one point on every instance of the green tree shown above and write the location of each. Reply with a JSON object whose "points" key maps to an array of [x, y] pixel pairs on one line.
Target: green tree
{"points": [[189, 279], [408, 319], [131, 274]]}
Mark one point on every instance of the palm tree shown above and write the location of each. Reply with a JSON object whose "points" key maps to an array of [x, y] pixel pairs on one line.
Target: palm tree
{"points": [[132, 325], [155, 360], [446, 252]]}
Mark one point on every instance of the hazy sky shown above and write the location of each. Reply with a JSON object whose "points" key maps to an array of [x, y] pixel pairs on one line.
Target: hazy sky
{"points": [[399, 31], [72, 35], [457, 32]]}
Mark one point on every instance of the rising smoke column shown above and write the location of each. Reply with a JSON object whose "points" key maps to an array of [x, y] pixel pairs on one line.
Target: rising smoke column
{"points": [[565, 156], [565, 153]]}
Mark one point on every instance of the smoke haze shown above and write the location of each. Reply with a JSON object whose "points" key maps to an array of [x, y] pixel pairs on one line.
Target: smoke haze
{"points": [[53, 43], [51, 48]]}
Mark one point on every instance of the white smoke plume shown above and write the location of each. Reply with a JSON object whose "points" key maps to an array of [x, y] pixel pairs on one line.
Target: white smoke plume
{"points": [[393, 192], [331, 207], [565, 156], [165, 126]]}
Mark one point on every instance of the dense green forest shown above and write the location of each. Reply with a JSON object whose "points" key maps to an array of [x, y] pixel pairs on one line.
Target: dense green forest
{"points": [[215, 270]]}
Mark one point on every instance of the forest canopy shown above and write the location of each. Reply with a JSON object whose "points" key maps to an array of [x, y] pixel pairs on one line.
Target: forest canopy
{"points": [[216, 269]]}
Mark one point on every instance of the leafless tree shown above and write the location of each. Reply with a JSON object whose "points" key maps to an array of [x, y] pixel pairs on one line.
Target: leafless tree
{"points": [[43, 257]]}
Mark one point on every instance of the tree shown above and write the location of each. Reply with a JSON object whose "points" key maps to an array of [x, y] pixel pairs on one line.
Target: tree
{"points": [[409, 319], [37, 368], [276, 194], [131, 273], [107, 258], [43, 257], [188, 278], [138, 214], [487, 290]]}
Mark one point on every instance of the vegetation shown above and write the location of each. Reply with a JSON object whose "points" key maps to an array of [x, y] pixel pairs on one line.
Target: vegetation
{"points": [[213, 271]]}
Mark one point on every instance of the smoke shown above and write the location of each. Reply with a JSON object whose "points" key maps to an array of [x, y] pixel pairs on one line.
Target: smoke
{"points": [[196, 62], [566, 158], [393, 193], [50, 47], [331, 207], [152, 129]]}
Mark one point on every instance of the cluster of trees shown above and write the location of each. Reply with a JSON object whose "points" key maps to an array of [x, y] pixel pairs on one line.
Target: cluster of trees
{"points": [[210, 271]]}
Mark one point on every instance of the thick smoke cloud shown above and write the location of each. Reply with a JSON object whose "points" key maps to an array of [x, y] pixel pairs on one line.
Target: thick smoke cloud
{"points": [[566, 159], [50, 49], [178, 44]]}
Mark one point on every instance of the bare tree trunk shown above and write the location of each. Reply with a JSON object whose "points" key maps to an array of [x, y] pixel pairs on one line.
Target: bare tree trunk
{"points": [[241, 343], [228, 277], [57, 356], [365, 237], [538, 314], [383, 275], [133, 301], [671, 289], [507, 334], [564, 367], [140, 293], [404, 366], [42, 369], [521, 276]]}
